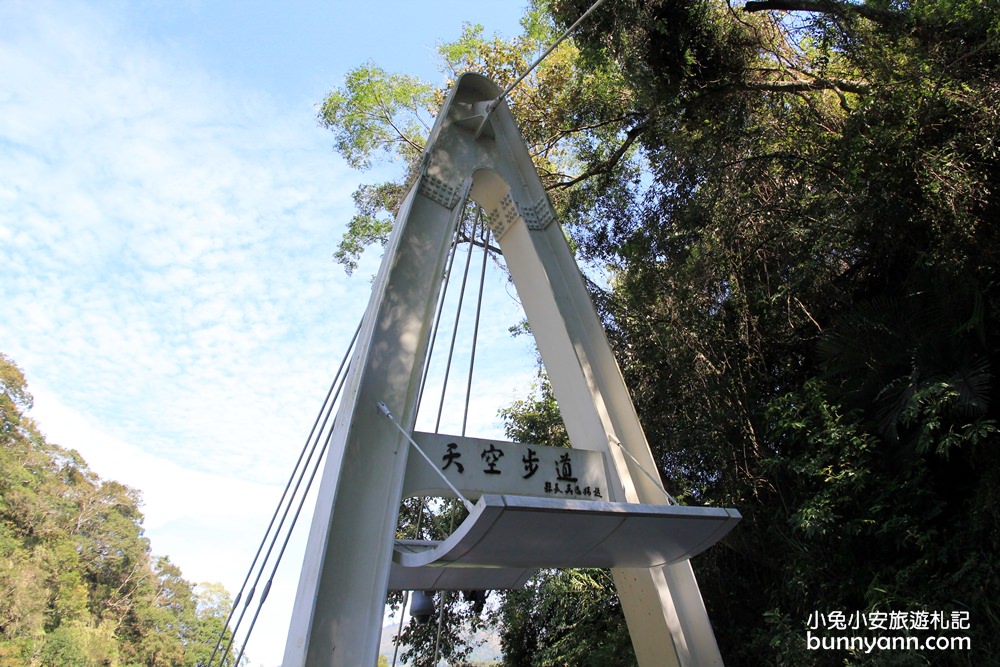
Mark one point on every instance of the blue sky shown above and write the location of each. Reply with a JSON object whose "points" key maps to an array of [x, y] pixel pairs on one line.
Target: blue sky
{"points": [[168, 212]]}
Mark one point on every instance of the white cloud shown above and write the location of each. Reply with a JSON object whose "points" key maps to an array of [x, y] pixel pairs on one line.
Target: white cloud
{"points": [[166, 278], [167, 283], [168, 238], [209, 524]]}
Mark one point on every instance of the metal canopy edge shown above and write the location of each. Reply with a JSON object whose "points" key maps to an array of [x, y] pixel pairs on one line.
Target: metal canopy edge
{"points": [[519, 532]]}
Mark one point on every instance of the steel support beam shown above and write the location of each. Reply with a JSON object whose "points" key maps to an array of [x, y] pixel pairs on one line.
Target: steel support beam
{"points": [[338, 609]]}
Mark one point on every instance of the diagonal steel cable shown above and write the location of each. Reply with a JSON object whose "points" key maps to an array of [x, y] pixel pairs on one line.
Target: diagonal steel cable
{"points": [[317, 429]]}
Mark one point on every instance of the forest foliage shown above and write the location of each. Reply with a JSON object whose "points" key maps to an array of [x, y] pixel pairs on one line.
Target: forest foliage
{"points": [[79, 585], [796, 203]]}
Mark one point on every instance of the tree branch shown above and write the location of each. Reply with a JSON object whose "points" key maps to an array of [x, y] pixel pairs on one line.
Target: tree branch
{"points": [[803, 85], [607, 165], [883, 16], [387, 117]]}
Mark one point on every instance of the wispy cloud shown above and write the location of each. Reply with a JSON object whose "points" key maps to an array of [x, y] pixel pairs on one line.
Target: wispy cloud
{"points": [[166, 279], [166, 241]]}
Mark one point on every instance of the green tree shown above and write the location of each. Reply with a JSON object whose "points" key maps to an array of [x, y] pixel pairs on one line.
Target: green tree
{"points": [[560, 617], [800, 302], [377, 117], [78, 585], [568, 617], [794, 201]]}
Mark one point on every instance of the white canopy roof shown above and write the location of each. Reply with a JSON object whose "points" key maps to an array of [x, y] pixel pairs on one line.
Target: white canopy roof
{"points": [[506, 538]]}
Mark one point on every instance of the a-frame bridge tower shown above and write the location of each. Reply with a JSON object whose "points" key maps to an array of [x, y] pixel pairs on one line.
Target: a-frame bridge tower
{"points": [[352, 558]]}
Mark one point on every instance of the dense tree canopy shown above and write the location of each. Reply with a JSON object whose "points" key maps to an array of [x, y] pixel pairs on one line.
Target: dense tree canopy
{"points": [[815, 257], [78, 584], [796, 202]]}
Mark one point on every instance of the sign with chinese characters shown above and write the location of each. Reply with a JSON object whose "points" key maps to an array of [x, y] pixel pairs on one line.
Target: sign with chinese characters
{"points": [[476, 466]]}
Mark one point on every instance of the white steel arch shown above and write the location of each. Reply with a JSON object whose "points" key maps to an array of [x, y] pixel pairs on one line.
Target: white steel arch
{"points": [[474, 150]]}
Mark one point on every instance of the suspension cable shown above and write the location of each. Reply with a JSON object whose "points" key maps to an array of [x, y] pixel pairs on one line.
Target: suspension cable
{"points": [[468, 398], [484, 231], [468, 386], [659, 485], [447, 283], [385, 411], [277, 533], [538, 61], [506, 91], [444, 602], [288, 534], [475, 328], [318, 426], [423, 383], [406, 594], [454, 332], [437, 318]]}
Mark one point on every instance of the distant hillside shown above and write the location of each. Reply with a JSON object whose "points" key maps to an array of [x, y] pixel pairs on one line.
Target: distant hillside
{"points": [[78, 583]]}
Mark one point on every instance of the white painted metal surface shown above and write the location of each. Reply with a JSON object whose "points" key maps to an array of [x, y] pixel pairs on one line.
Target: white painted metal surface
{"points": [[524, 532], [476, 466], [433, 578], [474, 144], [337, 614]]}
